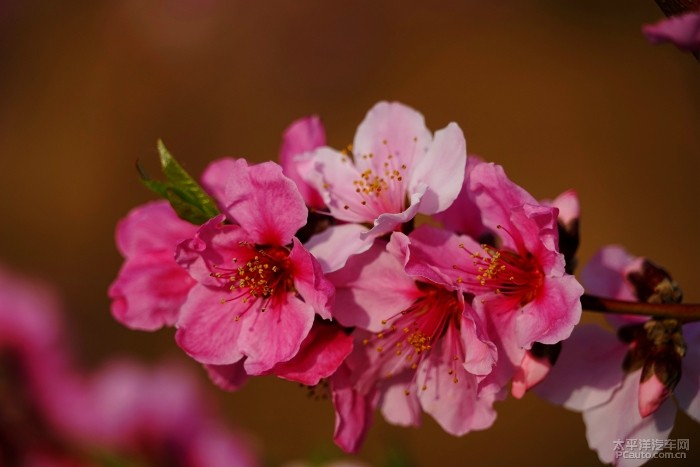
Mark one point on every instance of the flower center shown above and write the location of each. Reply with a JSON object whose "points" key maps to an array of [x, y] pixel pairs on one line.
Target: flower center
{"points": [[514, 275], [380, 187], [260, 272], [412, 333]]}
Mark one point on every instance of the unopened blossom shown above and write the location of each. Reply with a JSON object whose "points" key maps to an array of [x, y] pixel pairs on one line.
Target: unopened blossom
{"points": [[258, 289], [520, 286], [418, 347], [394, 169], [623, 381], [150, 287]]}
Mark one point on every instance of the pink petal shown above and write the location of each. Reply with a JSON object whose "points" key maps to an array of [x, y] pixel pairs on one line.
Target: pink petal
{"points": [[275, 335], [207, 329], [532, 371], [552, 315], [337, 172], [218, 174], [619, 419], [151, 227], [214, 245], [452, 398], [604, 274], [337, 243], [430, 253], [464, 216], [309, 280], [388, 222], [372, 287], [353, 411], [569, 207], [300, 138], [391, 128], [399, 408], [320, 355], [266, 204], [588, 370], [228, 377], [149, 291], [496, 196], [682, 30], [441, 169]]}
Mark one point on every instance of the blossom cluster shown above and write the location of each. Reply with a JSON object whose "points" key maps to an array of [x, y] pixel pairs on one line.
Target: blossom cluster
{"points": [[406, 275]]}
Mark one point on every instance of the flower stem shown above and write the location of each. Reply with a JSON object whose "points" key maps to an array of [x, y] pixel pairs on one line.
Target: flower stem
{"points": [[683, 312]]}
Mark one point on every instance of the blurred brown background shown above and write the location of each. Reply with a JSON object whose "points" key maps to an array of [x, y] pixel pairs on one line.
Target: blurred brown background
{"points": [[563, 94]]}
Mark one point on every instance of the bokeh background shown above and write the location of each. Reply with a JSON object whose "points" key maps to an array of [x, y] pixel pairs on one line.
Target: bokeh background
{"points": [[563, 94]]}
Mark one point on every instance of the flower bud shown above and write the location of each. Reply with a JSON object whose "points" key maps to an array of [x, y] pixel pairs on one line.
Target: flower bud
{"points": [[534, 367]]}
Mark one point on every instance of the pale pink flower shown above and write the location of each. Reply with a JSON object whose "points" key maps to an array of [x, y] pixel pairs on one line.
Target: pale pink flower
{"points": [[151, 286], [394, 170], [599, 373], [258, 289], [420, 350], [521, 289], [682, 30]]}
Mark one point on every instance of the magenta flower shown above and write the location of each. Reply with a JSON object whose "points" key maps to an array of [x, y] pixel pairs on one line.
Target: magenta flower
{"points": [[682, 30], [37, 381], [296, 157], [258, 289], [521, 288], [159, 416], [420, 346], [150, 287], [614, 379], [394, 170]]}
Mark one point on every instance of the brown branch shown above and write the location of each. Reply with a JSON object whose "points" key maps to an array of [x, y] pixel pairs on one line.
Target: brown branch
{"points": [[683, 312]]}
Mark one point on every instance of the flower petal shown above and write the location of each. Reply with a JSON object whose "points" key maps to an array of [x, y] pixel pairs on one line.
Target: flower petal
{"points": [[682, 30], [266, 204], [300, 138], [151, 227], [619, 419], [391, 128], [320, 355], [276, 334], [372, 287], [336, 244], [588, 370], [441, 169], [207, 330], [310, 282]]}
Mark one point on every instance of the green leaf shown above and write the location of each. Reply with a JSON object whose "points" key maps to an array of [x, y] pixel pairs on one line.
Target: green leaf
{"points": [[185, 195]]}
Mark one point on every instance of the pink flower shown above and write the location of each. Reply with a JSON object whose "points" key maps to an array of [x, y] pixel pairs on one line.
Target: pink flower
{"points": [[159, 416], [420, 346], [299, 140], [521, 288], [394, 170], [37, 380], [614, 379], [682, 30], [150, 287], [258, 289]]}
